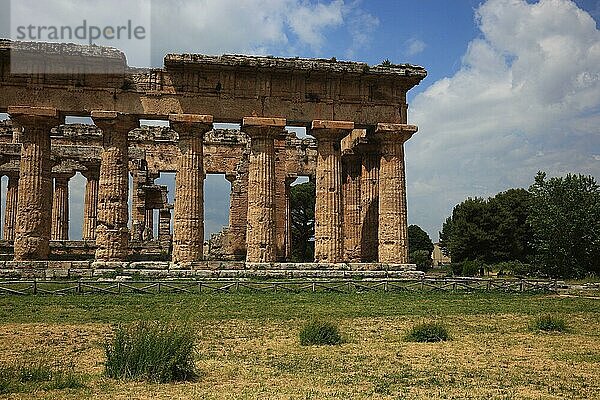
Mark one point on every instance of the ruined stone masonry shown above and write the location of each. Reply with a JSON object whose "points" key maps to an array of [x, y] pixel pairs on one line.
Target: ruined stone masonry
{"points": [[355, 113]]}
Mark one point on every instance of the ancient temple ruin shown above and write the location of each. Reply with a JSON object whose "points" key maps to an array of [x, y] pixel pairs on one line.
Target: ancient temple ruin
{"points": [[355, 113]]}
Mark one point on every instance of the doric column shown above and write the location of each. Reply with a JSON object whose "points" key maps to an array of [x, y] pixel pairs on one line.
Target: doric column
{"points": [[261, 227], [188, 227], [393, 226], [112, 234], [351, 169], [369, 208], [138, 203], [288, 216], [34, 208], [238, 213], [60, 207], [328, 205], [10, 210], [164, 227], [90, 205], [149, 229], [280, 205]]}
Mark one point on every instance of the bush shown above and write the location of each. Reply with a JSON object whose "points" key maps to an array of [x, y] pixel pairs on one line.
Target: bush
{"points": [[472, 268], [320, 333], [151, 351], [428, 332], [515, 268], [422, 259], [549, 323]]}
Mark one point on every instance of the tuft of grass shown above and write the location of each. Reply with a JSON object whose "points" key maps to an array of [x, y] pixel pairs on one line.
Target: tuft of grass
{"points": [[320, 333], [151, 351], [28, 377], [428, 332], [549, 323]]}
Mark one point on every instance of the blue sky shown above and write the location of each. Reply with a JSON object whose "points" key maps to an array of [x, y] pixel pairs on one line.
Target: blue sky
{"points": [[513, 85]]}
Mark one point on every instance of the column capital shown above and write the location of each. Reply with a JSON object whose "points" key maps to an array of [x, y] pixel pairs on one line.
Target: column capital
{"points": [[400, 133], [113, 120], [190, 124], [63, 176], [34, 117], [324, 130], [260, 127]]}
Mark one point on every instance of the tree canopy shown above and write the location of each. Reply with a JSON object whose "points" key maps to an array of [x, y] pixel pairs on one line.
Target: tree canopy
{"points": [[492, 230], [565, 219]]}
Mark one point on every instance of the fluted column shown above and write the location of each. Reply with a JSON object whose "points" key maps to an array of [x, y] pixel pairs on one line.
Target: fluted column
{"points": [[60, 208], [10, 210], [188, 226], [138, 206], [149, 229], [34, 208], [112, 234], [238, 213], [90, 206], [351, 169], [369, 212], [329, 241], [393, 225], [288, 216], [261, 227]]}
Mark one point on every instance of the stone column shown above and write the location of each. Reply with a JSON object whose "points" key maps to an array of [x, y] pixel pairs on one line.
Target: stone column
{"points": [[393, 226], [34, 207], [112, 234], [188, 227], [369, 192], [138, 203], [10, 211], [149, 230], [60, 207], [90, 206], [288, 216], [164, 227], [280, 196], [328, 205], [261, 227], [351, 173], [238, 213]]}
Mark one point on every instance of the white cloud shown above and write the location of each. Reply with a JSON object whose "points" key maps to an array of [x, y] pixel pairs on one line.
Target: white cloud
{"points": [[526, 98], [414, 46]]}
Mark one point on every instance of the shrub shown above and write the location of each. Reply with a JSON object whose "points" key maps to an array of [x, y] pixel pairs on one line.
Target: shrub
{"points": [[428, 332], [472, 268], [422, 259], [516, 268], [151, 351], [320, 333], [549, 323]]}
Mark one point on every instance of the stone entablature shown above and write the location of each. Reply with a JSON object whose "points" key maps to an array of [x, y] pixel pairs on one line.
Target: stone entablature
{"points": [[356, 113]]}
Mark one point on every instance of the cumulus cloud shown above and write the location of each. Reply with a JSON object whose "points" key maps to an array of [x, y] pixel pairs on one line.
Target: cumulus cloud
{"points": [[526, 98], [282, 27]]}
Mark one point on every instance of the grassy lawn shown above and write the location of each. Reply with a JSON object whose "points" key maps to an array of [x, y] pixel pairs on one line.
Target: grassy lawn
{"points": [[249, 348]]}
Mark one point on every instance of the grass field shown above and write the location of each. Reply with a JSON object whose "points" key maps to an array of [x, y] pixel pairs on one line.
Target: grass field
{"points": [[249, 347]]}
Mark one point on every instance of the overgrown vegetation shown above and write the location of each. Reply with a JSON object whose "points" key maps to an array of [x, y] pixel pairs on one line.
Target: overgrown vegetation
{"points": [[25, 377], [317, 333], [549, 323], [552, 229], [152, 351], [428, 332]]}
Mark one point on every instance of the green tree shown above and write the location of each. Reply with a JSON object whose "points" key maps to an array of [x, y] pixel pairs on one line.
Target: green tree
{"points": [[302, 204], [493, 230], [418, 239], [565, 219]]}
